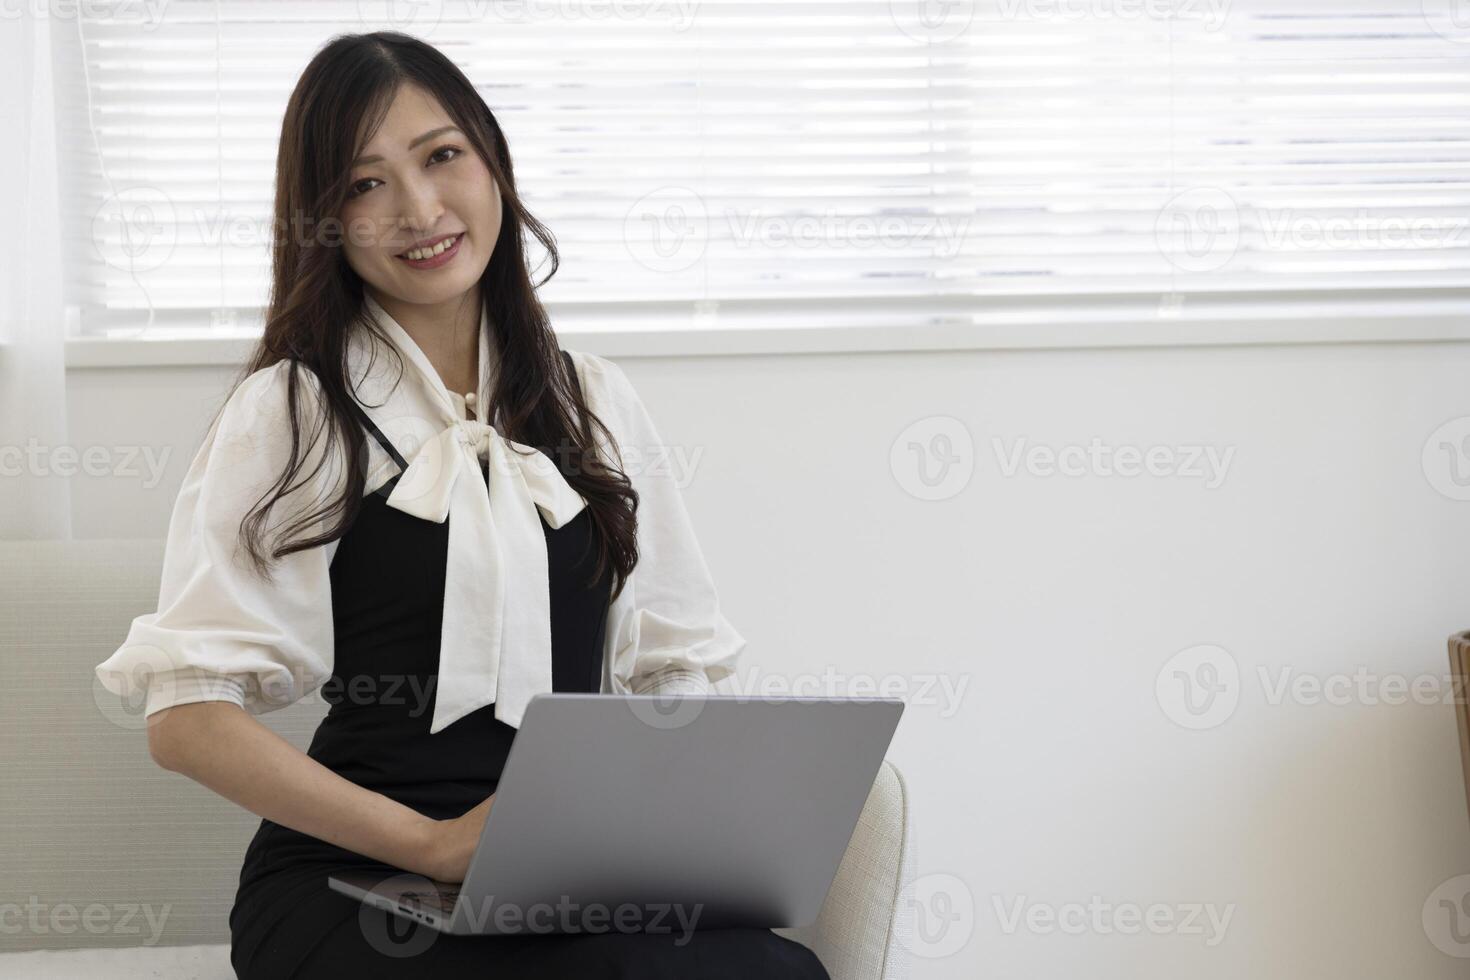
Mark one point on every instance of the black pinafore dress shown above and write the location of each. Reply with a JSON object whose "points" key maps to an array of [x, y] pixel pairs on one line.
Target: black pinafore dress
{"points": [[387, 580]]}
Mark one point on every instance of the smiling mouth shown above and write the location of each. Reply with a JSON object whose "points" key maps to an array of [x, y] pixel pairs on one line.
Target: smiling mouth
{"points": [[434, 254]]}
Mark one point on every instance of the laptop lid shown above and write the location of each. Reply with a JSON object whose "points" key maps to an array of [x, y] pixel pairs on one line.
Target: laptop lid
{"points": [[641, 811]]}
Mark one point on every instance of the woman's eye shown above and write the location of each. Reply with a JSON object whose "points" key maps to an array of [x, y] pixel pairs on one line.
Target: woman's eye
{"points": [[363, 186]]}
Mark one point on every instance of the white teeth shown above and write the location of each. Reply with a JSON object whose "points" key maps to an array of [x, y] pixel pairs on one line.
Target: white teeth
{"points": [[419, 254]]}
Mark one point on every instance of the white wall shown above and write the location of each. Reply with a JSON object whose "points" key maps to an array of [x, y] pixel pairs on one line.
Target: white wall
{"points": [[1060, 774]]}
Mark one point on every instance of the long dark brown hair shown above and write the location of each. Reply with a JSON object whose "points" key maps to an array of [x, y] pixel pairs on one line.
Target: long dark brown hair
{"points": [[317, 299]]}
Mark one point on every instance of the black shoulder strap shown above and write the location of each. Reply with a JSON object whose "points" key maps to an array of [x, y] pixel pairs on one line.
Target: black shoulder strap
{"points": [[377, 434], [388, 447]]}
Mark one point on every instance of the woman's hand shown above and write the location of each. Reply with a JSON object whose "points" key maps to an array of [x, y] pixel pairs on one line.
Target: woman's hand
{"points": [[454, 841]]}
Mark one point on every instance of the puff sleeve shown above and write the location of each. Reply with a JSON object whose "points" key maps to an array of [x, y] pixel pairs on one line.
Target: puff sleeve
{"points": [[222, 632], [666, 632]]}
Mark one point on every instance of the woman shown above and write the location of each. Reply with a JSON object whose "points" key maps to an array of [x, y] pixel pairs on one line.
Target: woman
{"points": [[331, 535]]}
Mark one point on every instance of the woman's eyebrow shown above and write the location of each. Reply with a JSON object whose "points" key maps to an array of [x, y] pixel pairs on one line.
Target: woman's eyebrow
{"points": [[416, 141]]}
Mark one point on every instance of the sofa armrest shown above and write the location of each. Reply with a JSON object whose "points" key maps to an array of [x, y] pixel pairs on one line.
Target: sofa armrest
{"points": [[861, 931]]}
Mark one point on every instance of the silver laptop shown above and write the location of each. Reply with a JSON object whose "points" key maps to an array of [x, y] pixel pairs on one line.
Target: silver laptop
{"points": [[649, 813]]}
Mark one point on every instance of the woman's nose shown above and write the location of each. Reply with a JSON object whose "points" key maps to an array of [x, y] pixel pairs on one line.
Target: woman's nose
{"points": [[420, 208]]}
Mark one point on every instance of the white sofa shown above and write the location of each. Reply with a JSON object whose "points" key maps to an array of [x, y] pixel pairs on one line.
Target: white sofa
{"points": [[99, 897]]}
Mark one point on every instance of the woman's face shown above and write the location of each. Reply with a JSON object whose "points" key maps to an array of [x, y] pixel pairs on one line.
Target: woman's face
{"points": [[406, 192]]}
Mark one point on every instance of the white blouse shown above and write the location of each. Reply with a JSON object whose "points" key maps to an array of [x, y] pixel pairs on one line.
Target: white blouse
{"points": [[223, 633]]}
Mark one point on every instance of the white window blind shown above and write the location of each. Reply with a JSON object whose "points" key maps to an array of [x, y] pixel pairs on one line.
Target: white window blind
{"points": [[902, 160]]}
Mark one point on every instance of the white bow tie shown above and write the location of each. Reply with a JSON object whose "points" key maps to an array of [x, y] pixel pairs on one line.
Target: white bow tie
{"points": [[496, 643]]}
